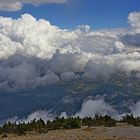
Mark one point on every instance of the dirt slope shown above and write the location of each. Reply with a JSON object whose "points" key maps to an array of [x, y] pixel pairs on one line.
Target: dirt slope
{"points": [[98, 133]]}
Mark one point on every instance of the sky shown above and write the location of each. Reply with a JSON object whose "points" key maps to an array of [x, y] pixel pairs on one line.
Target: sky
{"points": [[72, 13]]}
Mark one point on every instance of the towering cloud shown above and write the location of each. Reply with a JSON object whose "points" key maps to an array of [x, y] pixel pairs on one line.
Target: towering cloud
{"points": [[46, 54], [134, 19]]}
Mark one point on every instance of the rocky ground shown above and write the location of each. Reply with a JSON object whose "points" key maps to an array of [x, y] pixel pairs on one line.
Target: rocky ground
{"points": [[94, 133]]}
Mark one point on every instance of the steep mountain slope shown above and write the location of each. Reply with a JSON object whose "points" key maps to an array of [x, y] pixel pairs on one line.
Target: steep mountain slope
{"points": [[120, 91]]}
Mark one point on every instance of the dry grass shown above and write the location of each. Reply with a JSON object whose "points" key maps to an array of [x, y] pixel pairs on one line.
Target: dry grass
{"points": [[98, 133]]}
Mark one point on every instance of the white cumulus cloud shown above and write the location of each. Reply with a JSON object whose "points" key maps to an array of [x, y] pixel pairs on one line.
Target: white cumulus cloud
{"points": [[46, 54], [134, 19]]}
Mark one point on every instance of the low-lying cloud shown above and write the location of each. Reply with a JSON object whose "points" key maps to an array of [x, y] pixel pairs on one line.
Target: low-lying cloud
{"points": [[35, 53], [39, 114], [91, 107], [135, 109]]}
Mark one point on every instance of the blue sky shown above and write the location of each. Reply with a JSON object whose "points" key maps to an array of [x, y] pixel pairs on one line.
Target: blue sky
{"points": [[96, 13]]}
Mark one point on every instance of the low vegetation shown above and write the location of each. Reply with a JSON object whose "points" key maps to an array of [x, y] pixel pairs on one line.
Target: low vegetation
{"points": [[40, 126], [131, 120]]}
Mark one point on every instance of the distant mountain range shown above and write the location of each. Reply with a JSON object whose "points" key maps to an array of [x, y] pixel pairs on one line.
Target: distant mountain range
{"points": [[120, 91]]}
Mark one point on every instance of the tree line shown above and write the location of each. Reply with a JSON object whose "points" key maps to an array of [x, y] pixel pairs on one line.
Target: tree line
{"points": [[40, 126]]}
